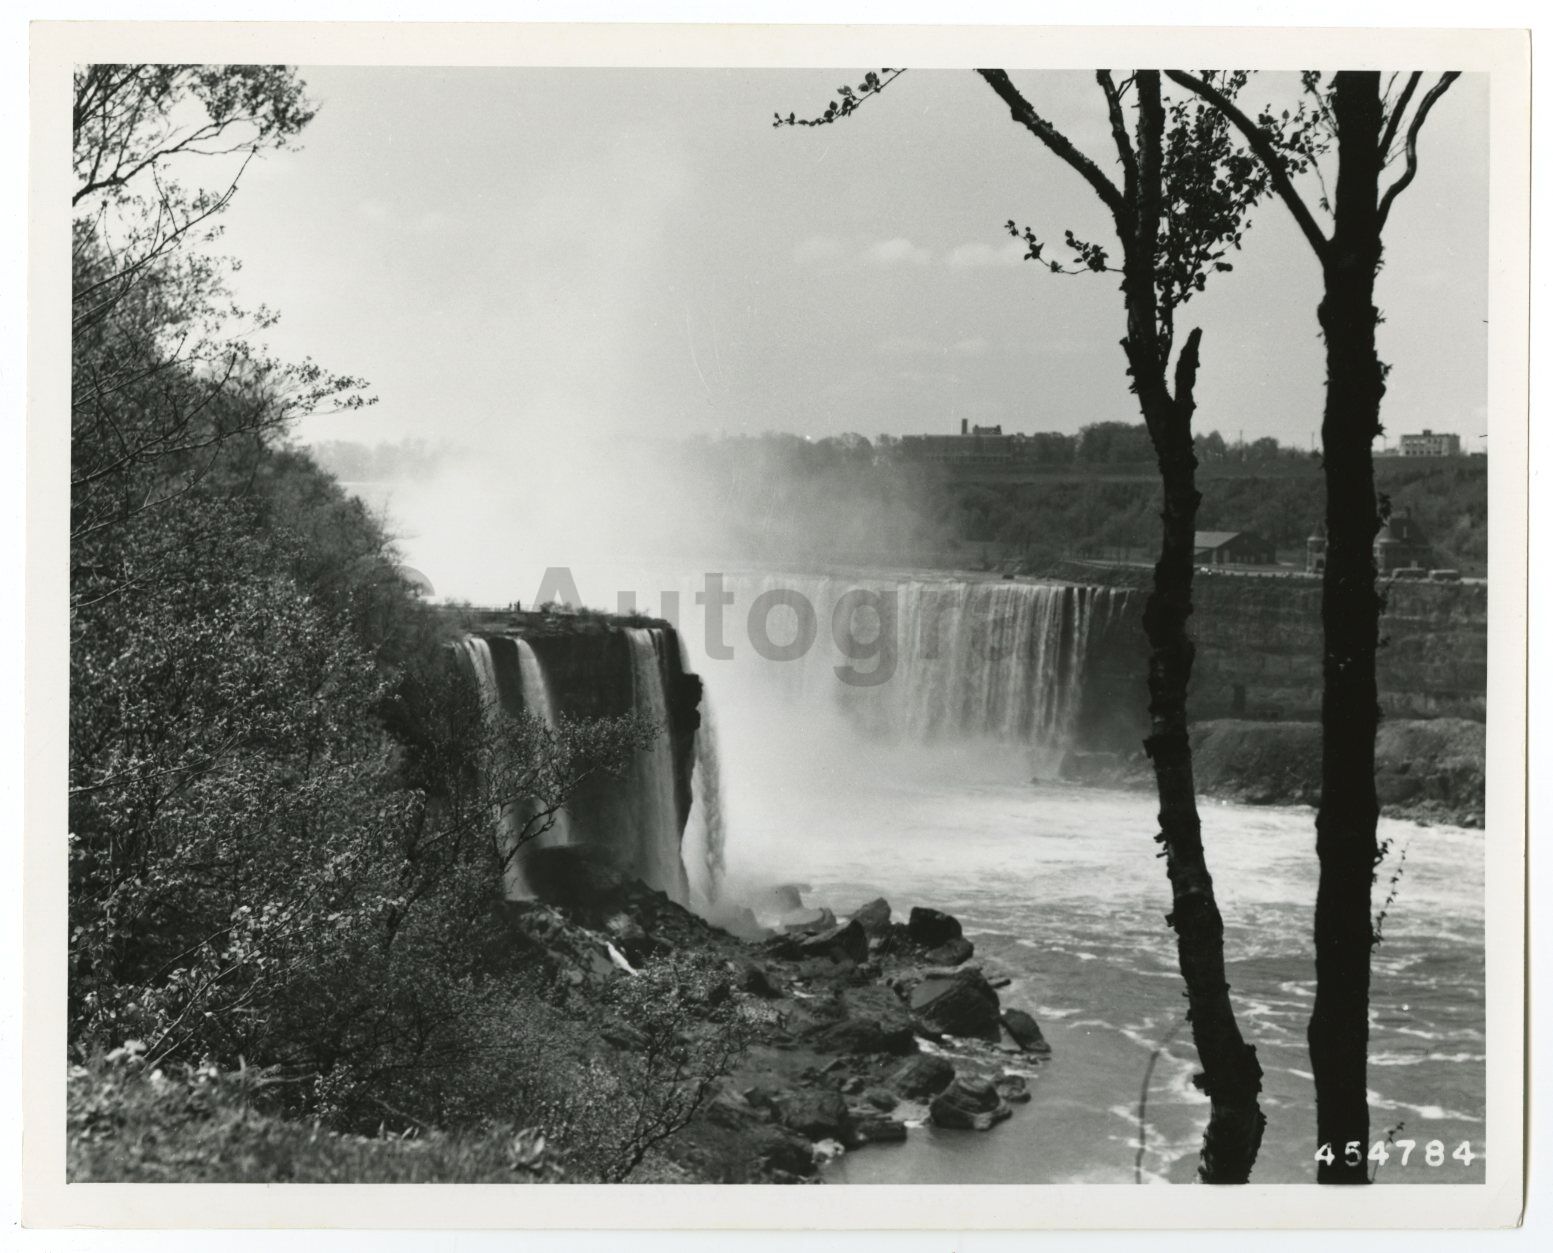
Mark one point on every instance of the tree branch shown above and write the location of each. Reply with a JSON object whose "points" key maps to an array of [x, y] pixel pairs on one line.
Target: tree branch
{"points": [[1060, 144], [1264, 151], [1113, 103], [1397, 110], [1424, 105]]}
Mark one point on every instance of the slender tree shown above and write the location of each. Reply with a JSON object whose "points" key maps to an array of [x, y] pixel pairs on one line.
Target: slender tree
{"points": [[1365, 124], [1180, 209]]}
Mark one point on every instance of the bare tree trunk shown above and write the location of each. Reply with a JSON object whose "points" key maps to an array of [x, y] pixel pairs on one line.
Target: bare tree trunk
{"points": [[1350, 612], [1231, 1076]]}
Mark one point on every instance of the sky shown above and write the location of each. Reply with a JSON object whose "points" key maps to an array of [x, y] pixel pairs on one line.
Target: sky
{"points": [[518, 260]]}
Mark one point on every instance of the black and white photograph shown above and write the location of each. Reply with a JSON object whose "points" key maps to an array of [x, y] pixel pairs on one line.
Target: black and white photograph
{"points": [[840, 624]]}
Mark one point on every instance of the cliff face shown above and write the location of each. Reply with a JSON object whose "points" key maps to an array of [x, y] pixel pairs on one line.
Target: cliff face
{"points": [[1259, 656], [592, 668]]}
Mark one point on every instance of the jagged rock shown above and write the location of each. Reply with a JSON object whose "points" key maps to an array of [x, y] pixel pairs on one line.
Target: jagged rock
{"points": [[924, 1075], [818, 1113], [877, 1130], [1012, 1088], [1025, 1030], [874, 917], [629, 937], [854, 1085], [781, 1151], [963, 1005], [969, 1104], [951, 952], [848, 942], [729, 1109], [806, 921], [752, 977], [881, 1098], [871, 1019], [931, 927]]}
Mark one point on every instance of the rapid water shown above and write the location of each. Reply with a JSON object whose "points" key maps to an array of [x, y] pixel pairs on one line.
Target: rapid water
{"points": [[1060, 890]]}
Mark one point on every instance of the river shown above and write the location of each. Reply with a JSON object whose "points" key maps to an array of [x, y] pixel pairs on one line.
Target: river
{"points": [[1060, 890]]}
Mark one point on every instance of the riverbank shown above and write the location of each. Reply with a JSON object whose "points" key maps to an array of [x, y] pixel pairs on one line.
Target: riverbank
{"points": [[838, 1024], [842, 1018], [1427, 770]]}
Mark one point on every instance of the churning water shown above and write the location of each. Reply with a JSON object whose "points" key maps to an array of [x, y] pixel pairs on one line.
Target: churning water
{"points": [[1060, 890]]}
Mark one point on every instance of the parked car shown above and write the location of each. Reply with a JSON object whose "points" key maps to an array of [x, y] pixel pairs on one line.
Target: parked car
{"points": [[1445, 576], [1410, 572]]}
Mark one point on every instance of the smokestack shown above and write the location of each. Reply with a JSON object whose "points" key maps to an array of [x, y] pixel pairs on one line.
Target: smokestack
{"points": [[965, 426]]}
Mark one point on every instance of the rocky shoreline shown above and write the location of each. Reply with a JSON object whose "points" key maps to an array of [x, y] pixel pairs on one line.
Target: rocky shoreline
{"points": [[848, 1018], [1426, 770]]}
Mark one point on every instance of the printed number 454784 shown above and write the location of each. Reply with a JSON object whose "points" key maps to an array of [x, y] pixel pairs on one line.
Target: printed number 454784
{"points": [[1381, 1152]]}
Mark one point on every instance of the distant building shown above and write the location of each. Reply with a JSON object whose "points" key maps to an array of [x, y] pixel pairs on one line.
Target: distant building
{"points": [[1399, 545], [1316, 551], [1238, 548], [1428, 444], [973, 446]]}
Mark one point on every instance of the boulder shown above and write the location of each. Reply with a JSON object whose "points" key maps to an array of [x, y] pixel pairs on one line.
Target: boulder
{"points": [[818, 1113], [874, 917], [1012, 1088], [730, 1109], [806, 921], [969, 1104], [1025, 1030], [752, 977], [951, 952], [877, 1130], [779, 1150], [881, 1098], [931, 927], [923, 1076], [872, 1019], [847, 942], [629, 937], [962, 1005]]}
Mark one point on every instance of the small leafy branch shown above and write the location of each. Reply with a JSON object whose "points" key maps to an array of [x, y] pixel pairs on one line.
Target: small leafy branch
{"points": [[1392, 888], [850, 100]]}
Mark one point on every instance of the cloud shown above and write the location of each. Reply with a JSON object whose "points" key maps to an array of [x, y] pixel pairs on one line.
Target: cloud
{"points": [[980, 255], [896, 252]]}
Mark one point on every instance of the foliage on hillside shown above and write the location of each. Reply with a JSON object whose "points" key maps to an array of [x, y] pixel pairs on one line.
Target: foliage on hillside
{"points": [[289, 809]]}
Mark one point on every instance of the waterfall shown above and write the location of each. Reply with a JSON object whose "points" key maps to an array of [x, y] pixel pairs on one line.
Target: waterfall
{"points": [[989, 659], [476, 652], [539, 702], [706, 831], [535, 694], [652, 816]]}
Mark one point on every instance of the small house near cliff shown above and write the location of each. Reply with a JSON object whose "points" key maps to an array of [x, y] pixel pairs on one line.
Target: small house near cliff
{"points": [[1399, 545], [1233, 548]]}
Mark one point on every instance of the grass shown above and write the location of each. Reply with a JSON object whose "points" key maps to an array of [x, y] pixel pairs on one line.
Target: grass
{"points": [[128, 1124]]}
